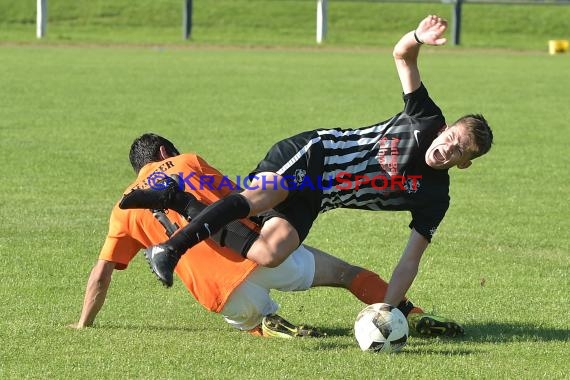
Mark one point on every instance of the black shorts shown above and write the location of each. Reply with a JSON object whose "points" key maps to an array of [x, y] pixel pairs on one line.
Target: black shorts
{"points": [[299, 159]]}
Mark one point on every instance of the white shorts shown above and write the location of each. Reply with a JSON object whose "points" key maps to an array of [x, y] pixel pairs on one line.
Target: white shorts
{"points": [[250, 301]]}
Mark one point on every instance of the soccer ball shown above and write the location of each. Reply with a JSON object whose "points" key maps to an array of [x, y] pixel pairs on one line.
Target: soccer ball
{"points": [[381, 328]]}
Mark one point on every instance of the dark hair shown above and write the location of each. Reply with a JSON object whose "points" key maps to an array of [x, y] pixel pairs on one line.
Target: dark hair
{"points": [[146, 148], [480, 130]]}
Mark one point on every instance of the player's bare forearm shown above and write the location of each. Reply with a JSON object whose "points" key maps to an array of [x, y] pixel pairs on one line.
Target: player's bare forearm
{"points": [[401, 280], [407, 48], [406, 269], [95, 293], [406, 51]]}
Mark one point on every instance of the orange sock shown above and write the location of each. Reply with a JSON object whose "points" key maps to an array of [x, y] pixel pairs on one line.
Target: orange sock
{"points": [[416, 310], [369, 288], [256, 331]]}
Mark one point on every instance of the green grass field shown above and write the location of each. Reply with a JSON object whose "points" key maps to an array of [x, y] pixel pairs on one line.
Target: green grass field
{"points": [[499, 264]]}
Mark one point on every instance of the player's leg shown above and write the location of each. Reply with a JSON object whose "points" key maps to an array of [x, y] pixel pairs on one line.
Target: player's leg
{"points": [[250, 307], [233, 207], [365, 285], [247, 305], [277, 239], [167, 194], [264, 192], [284, 229], [295, 273], [163, 257], [236, 235], [370, 288], [217, 215]]}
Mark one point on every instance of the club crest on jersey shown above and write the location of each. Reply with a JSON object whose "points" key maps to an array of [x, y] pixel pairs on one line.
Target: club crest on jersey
{"points": [[411, 185], [388, 146], [300, 176]]}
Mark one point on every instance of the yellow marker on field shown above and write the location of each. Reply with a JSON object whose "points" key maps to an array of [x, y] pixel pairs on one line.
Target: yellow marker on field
{"points": [[557, 46]]}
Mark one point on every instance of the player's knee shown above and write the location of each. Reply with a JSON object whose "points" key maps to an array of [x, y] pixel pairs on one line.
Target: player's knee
{"points": [[268, 263], [266, 255], [268, 260], [278, 239]]}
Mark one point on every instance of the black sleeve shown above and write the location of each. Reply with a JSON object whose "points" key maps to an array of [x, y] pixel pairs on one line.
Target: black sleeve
{"points": [[426, 220], [418, 104]]}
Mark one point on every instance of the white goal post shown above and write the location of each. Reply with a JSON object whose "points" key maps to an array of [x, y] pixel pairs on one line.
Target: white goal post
{"points": [[322, 7], [41, 18]]}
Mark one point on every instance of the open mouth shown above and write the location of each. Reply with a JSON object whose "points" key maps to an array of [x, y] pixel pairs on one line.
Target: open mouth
{"points": [[438, 156]]}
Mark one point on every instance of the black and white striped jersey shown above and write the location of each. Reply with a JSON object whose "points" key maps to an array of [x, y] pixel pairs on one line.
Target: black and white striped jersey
{"points": [[382, 166], [379, 167]]}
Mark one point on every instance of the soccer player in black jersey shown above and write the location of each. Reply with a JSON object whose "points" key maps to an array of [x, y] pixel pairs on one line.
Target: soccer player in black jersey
{"points": [[398, 164]]}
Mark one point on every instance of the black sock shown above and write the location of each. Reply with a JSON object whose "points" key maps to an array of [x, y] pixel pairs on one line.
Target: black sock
{"points": [[235, 235], [209, 221], [186, 205], [405, 307]]}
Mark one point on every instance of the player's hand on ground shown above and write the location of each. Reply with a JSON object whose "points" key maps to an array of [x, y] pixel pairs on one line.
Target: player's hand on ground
{"points": [[431, 29], [76, 326]]}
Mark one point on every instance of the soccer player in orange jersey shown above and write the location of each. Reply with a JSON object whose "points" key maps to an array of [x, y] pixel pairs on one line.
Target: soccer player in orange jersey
{"points": [[220, 279]]}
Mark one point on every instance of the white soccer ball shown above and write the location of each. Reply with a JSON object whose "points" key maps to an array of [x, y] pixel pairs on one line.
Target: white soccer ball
{"points": [[381, 328]]}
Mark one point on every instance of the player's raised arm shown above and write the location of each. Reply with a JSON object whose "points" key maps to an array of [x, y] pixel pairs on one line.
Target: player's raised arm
{"points": [[429, 31]]}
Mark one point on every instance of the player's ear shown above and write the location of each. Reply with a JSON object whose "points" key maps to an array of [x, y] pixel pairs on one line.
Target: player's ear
{"points": [[164, 153], [464, 165]]}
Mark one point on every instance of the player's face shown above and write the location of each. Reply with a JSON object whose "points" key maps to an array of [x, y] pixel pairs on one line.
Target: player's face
{"points": [[453, 147]]}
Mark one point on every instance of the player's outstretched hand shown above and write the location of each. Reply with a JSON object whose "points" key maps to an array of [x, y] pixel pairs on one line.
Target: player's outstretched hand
{"points": [[431, 29]]}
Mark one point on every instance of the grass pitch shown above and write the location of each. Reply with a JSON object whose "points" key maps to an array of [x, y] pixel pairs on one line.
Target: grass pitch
{"points": [[499, 263]]}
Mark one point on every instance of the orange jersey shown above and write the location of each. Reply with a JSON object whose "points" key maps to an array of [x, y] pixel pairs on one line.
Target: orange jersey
{"points": [[209, 271]]}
